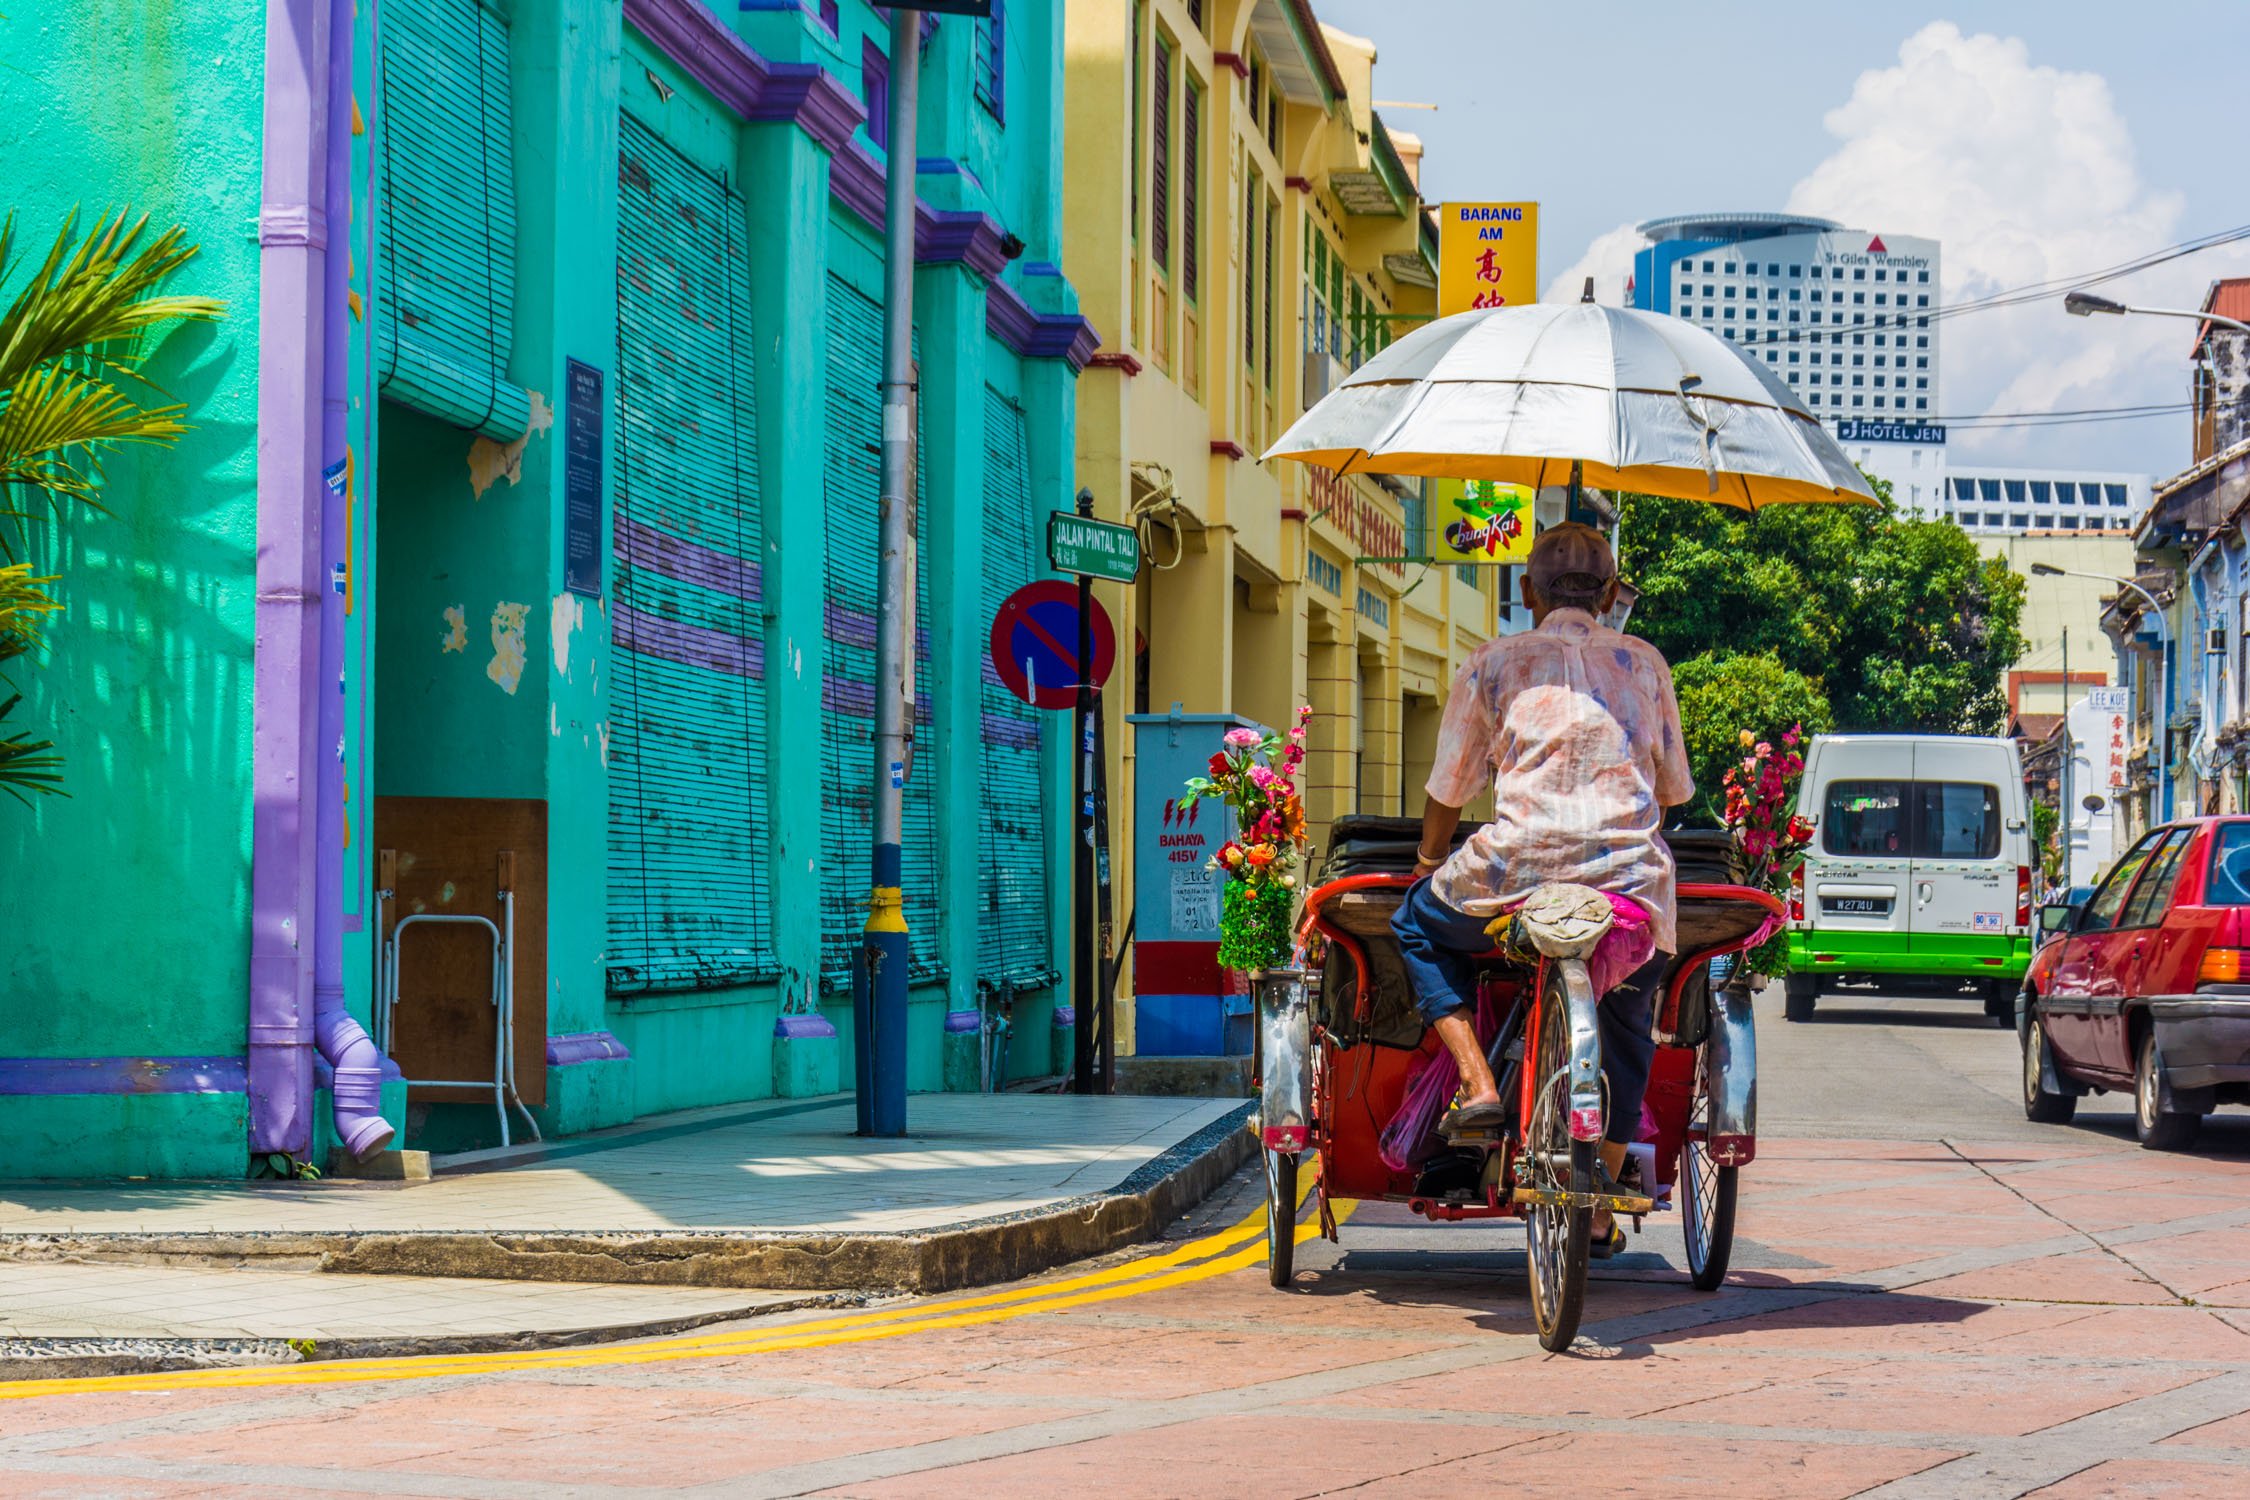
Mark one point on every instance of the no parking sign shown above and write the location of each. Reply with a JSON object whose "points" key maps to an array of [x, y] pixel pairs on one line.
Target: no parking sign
{"points": [[1035, 644]]}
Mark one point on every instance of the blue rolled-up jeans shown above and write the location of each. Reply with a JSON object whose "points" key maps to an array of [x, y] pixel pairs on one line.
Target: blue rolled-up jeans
{"points": [[1440, 948]]}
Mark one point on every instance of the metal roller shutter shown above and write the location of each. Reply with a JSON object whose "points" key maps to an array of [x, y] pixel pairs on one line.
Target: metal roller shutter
{"points": [[854, 482], [690, 892], [445, 317], [1012, 822]]}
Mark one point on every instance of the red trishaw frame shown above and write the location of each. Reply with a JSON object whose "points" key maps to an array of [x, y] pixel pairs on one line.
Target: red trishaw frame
{"points": [[1349, 1165]]}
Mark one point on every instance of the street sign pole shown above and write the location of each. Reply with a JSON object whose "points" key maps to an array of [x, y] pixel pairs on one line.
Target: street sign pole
{"points": [[879, 987], [1084, 951]]}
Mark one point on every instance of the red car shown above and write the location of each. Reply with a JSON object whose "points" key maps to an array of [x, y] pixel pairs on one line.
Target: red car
{"points": [[2146, 986]]}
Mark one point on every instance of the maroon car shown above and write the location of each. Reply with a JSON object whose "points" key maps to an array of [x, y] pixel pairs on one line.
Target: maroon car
{"points": [[2146, 986]]}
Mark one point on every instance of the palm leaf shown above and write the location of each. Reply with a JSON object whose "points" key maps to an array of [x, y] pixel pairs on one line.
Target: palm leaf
{"points": [[27, 765], [102, 293], [24, 600]]}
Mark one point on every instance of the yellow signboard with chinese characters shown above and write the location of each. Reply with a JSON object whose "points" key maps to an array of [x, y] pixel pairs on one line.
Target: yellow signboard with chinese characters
{"points": [[1477, 520], [1488, 255]]}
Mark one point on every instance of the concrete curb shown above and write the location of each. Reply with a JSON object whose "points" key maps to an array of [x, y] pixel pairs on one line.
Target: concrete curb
{"points": [[66, 1358], [1002, 1248]]}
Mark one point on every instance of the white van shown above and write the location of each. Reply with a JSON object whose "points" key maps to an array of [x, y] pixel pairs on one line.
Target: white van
{"points": [[1919, 872]]}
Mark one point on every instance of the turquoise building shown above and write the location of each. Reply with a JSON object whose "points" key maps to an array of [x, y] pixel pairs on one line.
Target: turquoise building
{"points": [[525, 542]]}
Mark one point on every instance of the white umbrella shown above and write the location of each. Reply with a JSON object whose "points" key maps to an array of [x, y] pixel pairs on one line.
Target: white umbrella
{"points": [[1640, 400]]}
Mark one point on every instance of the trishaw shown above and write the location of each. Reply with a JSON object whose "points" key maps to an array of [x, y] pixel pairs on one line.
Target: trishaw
{"points": [[1336, 1054], [1536, 395]]}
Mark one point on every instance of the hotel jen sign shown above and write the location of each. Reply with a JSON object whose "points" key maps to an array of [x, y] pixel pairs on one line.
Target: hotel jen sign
{"points": [[1859, 430]]}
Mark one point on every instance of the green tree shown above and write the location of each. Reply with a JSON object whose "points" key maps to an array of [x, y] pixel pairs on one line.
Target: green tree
{"points": [[1724, 694], [73, 386], [1900, 623]]}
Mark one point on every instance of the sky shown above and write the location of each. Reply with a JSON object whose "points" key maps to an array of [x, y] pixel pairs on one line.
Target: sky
{"points": [[2033, 140]]}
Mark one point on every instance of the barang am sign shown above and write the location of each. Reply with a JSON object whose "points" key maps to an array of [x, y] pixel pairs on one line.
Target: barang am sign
{"points": [[1488, 256]]}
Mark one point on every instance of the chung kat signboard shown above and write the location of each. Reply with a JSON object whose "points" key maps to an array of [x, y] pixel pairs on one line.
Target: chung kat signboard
{"points": [[1488, 256]]}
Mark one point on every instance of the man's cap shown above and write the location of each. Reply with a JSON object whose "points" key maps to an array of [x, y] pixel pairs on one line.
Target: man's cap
{"points": [[1572, 555]]}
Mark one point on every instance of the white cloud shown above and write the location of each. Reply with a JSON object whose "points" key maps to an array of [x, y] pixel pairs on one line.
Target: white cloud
{"points": [[1609, 260], [2024, 173]]}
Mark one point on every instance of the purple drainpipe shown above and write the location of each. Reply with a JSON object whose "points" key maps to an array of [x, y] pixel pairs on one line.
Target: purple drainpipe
{"points": [[358, 1082], [300, 310]]}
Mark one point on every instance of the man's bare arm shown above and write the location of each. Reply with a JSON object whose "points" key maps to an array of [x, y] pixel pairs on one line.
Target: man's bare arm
{"points": [[1439, 819]]}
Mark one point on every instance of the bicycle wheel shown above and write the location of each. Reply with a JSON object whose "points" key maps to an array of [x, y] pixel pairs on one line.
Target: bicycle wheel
{"points": [[1706, 1189], [1557, 1238], [1281, 1216]]}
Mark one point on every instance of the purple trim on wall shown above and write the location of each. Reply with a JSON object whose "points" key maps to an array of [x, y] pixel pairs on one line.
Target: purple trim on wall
{"points": [[963, 1022], [946, 166], [123, 1075], [841, 695], [1016, 734], [583, 1047], [1065, 1015], [643, 546], [803, 94], [1035, 335], [691, 645], [856, 627], [804, 1028], [855, 179]]}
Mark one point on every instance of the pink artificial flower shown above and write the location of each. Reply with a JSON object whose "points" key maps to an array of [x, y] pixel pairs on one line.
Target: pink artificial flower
{"points": [[1263, 777], [1243, 739], [1764, 749]]}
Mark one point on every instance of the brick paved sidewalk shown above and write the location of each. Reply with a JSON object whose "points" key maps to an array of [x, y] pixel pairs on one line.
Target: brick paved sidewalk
{"points": [[2065, 1318], [987, 1176]]}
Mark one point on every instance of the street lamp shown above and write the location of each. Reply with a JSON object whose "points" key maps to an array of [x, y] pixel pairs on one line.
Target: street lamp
{"points": [[2163, 664], [2086, 304]]}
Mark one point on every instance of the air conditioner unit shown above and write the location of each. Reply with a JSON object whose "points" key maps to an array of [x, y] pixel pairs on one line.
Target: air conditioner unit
{"points": [[2218, 641]]}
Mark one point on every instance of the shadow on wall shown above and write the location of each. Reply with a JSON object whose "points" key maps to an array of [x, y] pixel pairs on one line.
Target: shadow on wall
{"points": [[142, 872]]}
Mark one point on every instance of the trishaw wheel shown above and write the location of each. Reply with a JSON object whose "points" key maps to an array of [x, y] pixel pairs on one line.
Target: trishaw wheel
{"points": [[1557, 1239], [1281, 1217], [1707, 1190]]}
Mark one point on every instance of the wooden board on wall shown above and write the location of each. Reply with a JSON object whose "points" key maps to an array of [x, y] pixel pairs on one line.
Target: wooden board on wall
{"points": [[448, 859]]}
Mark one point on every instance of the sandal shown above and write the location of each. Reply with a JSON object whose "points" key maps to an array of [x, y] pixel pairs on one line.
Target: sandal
{"points": [[1481, 1118], [1614, 1245]]}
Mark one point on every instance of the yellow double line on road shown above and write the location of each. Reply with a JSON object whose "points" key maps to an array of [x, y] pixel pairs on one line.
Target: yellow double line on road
{"points": [[1235, 1248]]}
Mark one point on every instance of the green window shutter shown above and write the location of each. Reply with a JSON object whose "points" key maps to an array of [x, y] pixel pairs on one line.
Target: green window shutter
{"points": [[690, 888], [1012, 813], [446, 252], [853, 484]]}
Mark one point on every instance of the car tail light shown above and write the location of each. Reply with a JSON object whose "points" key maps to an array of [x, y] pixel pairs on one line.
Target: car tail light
{"points": [[1797, 893], [2223, 966], [2023, 895]]}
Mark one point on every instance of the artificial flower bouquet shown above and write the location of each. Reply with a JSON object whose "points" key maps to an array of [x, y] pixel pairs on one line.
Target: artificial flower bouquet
{"points": [[1761, 813], [1255, 775]]}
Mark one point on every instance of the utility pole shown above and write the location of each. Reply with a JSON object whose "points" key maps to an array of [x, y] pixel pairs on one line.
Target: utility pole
{"points": [[1086, 952], [879, 990], [2070, 754]]}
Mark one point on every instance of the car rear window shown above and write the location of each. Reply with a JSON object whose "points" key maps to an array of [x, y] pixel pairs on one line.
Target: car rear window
{"points": [[1919, 819], [1865, 817], [1958, 820], [2230, 866]]}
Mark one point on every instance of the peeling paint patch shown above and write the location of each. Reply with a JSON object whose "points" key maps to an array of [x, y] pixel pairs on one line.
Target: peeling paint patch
{"points": [[568, 613], [554, 721], [456, 637], [506, 666], [491, 462], [445, 894], [603, 730]]}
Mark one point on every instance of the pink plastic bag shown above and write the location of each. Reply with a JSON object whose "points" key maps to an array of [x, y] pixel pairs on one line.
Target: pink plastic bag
{"points": [[1629, 943]]}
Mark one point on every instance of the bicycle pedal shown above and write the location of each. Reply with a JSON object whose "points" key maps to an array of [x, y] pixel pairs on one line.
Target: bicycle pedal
{"points": [[1487, 1136]]}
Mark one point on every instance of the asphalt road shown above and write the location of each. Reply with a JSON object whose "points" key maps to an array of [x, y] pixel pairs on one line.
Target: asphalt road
{"points": [[1930, 1298]]}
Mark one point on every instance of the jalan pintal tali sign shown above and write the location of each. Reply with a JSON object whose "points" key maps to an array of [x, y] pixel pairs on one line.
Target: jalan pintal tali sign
{"points": [[1488, 255], [1093, 549]]}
